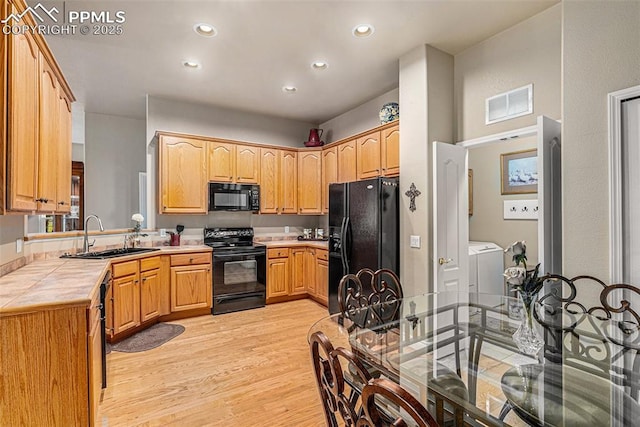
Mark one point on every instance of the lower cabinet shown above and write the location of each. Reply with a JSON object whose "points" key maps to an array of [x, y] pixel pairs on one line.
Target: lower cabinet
{"points": [[297, 272], [191, 282], [94, 352]]}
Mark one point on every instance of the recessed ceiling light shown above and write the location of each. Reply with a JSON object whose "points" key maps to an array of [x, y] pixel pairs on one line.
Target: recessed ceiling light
{"points": [[191, 64], [319, 65], [205, 30], [363, 30], [289, 89]]}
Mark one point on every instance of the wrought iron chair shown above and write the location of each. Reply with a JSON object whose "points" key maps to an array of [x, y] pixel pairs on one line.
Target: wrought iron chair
{"points": [[334, 383], [397, 400]]}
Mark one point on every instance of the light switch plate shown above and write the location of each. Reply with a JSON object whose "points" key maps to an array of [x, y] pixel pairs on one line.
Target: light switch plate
{"points": [[521, 209], [414, 242]]}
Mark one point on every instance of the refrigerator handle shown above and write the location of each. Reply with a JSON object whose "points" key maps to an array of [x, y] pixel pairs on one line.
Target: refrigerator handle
{"points": [[343, 249], [346, 243]]}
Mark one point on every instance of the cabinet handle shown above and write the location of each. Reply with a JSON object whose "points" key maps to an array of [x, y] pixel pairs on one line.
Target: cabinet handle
{"points": [[135, 281], [144, 279], [61, 203], [190, 260]]}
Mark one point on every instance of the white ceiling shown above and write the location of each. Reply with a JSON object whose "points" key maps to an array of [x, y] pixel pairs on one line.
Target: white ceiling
{"points": [[263, 45]]}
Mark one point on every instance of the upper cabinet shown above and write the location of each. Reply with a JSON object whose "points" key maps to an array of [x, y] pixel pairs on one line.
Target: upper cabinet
{"points": [[269, 199], [347, 161], [288, 188], [35, 142], [182, 175], [390, 154], [310, 182], [230, 162], [247, 164], [368, 155], [329, 174]]}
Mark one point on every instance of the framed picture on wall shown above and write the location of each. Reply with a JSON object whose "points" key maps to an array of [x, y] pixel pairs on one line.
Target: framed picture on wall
{"points": [[519, 171]]}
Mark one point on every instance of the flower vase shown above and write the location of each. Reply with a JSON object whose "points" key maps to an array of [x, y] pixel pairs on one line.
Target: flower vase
{"points": [[527, 338]]}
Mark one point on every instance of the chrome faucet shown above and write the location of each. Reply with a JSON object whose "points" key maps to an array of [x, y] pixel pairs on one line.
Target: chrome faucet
{"points": [[85, 244]]}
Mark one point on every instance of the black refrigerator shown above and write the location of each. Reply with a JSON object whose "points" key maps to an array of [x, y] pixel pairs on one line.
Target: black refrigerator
{"points": [[363, 229]]}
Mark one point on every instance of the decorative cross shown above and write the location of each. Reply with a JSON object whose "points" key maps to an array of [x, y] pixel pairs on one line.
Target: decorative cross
{"points": [[412, 193]]}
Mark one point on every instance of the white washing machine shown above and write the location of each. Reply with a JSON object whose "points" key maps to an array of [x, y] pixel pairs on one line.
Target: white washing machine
{"points": [[486, 266]]}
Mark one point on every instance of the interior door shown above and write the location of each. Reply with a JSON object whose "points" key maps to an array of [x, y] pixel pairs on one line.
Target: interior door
{"points": [[450, 218], [549, 196]]}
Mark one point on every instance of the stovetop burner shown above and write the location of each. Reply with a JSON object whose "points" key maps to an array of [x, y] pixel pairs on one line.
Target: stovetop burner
{"points": [[223, 237]]}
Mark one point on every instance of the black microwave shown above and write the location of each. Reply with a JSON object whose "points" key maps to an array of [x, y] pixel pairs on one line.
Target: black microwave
{"points": [[233, 197]]}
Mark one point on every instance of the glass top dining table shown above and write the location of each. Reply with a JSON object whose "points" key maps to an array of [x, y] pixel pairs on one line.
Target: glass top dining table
{"points": [[587, 373]]}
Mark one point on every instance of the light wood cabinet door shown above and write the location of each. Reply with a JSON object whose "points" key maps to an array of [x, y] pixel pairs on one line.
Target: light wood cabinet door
{"points": [[298, 279], [269, 181], [191, 287], [288, 187], [278, 277], [63, 180], [329, 174], [368, 156], [310, 182], [22, 122], [310, 270], [183, 175], [347, 161], [322, 280], [126, 303], [49, 134], [222, 161], [149, 294], [95, 369], [247, 164], [390, 151]]}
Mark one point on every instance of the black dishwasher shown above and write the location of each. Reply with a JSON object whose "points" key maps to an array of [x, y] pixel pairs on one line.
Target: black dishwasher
{"points": [[104, 288]]}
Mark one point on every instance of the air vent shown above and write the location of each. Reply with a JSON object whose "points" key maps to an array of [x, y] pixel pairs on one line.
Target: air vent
{"points": [[515, 103]]}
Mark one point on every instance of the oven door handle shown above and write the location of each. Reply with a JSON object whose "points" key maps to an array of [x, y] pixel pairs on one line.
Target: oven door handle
{"points": [[225, 298], [237, 254]]}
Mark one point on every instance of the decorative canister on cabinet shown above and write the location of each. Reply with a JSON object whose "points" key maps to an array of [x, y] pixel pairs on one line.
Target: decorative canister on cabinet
{"points": [[389, 112]]}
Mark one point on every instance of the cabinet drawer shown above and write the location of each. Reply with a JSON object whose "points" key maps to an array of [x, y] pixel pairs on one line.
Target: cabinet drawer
{"points": [[189, 259], [125, 268], [149, 263], [278, 253], [322, 254]]}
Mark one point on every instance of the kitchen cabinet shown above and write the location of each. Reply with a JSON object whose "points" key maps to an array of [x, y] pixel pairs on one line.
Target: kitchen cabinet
{"points": [[182, 175], [368, 156], [347, 161], [288, 182], [390, 154], [191, 281], [299, 269], [329, 174], [310, 270], [247, 164], [231, 162], [269, 199], [310, 182], [322, 276], [278, 273], [94, 358], [36, 139], [136, 294]]}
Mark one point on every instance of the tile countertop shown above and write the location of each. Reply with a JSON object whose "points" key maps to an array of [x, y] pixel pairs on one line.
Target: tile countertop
{"points": [[53, 283], [320, 244]]}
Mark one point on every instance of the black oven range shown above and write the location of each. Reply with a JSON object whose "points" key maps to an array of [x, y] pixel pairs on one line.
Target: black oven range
{"points": [[239, 269]]}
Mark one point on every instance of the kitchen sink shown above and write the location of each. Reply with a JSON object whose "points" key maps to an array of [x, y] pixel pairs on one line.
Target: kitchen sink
{"points": [[110, 253]]}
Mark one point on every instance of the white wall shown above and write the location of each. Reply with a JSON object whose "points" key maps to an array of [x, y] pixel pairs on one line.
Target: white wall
{"points": [[114, 154], [601, 54], [360, 119], [529, 52]]}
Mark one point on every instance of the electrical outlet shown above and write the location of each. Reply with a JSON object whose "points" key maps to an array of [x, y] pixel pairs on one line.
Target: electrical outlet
{"points": [[286, 228], [19, 245], [163, 232], [414, 242]]}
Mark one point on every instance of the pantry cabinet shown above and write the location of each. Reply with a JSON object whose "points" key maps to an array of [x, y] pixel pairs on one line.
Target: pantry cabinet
{"points": [[310, 177], [35, 142], [182, 175]]}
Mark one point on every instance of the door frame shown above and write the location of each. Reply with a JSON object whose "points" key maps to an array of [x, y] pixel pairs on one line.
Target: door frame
{"points": [[615, 100]]}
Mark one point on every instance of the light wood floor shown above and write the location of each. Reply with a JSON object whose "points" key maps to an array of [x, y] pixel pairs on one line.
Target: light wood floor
{"points": [[250, 368]]}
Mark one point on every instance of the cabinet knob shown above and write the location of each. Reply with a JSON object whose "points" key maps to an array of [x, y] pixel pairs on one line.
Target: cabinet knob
{"points": [[61, 203], [144, 279], [190, 260]]}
